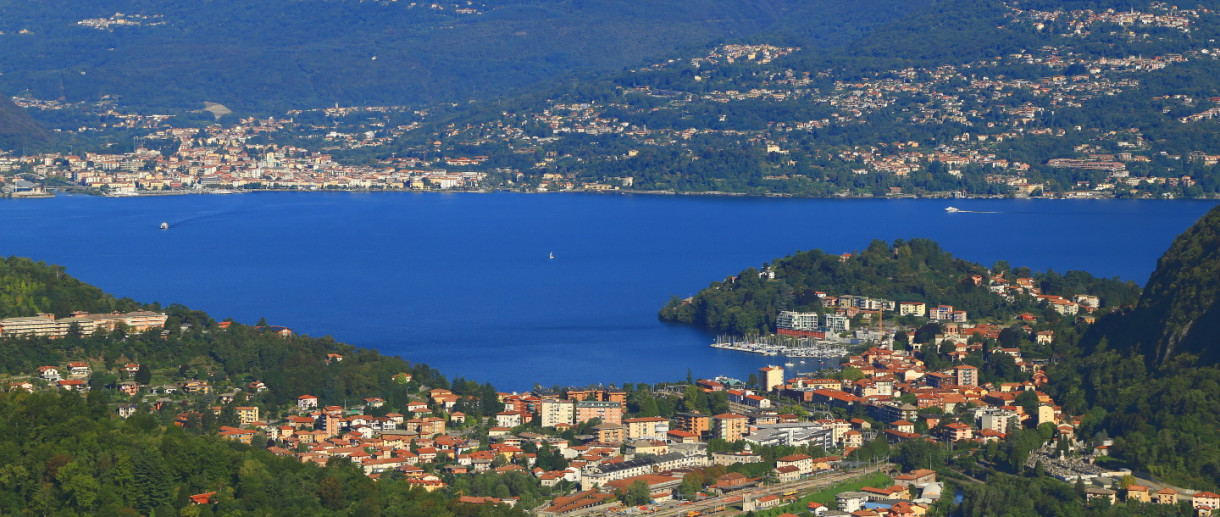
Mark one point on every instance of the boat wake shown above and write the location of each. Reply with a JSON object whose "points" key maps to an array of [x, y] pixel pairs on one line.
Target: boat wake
{"points": [[955, 210]]}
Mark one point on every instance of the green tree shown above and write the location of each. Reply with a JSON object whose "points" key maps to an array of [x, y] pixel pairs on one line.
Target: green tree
{"points": [[143, 375], [637, 493], [851, 373], [331, 493]]}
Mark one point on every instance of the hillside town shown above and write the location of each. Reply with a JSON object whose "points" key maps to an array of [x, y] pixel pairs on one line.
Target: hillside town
{"points": [[974, 115], [221, 160], [765, 443]]}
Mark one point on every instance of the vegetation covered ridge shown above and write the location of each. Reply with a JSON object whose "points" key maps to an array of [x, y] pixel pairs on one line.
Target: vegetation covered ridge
{"points": [[182, 391], [975, 98], [914, 271]]}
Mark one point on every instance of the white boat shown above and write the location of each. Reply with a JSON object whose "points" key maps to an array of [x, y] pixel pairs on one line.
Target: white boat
{"points": [[164, 225], [952, 210], [551, 256]]}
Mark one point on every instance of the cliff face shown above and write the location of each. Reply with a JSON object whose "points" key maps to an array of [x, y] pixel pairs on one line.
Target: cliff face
{"points": [[18, 129], [1179, 311]]}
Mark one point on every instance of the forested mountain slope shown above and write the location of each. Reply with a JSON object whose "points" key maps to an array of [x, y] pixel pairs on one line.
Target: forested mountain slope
{"points": [[1149, 376], [277, 54], [1179, 312], [18, 130]]}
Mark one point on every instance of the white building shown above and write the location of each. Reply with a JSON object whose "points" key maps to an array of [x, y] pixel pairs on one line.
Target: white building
{"points": [[553, 412], [797, 320], [837, 323]]}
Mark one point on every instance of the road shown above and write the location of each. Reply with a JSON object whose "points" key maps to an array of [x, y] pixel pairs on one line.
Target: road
{"points": [[803, 487]]}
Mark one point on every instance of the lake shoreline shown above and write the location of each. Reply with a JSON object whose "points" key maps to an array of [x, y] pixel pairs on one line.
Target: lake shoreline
{"points": [[465, 283], [491, 190]]}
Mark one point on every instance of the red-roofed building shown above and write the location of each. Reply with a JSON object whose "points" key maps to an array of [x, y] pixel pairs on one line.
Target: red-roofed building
{"points": [[1209, 500], [680, 436], [802, 462], [586, 500], [660, 488], [307, 402], [204, 498], [787, 473]]}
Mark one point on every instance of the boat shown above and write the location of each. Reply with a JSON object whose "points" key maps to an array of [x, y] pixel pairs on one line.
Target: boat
{"points": [[952, 210], [164, 225], [789, 364], [551, 256]]}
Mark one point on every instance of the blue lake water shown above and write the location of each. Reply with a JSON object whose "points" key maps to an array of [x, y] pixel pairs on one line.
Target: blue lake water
{"points": [[463, 282]]}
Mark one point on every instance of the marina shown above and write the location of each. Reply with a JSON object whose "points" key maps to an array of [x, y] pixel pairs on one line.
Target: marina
{"points": [[786, 346]]}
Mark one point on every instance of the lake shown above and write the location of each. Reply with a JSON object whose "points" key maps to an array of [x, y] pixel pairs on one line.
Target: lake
{"points": [[465, 282]]}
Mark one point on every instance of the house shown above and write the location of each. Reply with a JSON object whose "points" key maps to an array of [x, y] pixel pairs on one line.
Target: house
{"points": [[903, 426], [680, 436], [802, 462], [853, 439], [1166, 496], [79, 368], [1093, 493], [1209, 500], [787, 473], [238, 435], [127, 410], [129, 388], [917, 477], [851, 501], [765, 502], [307, 402], [73, 385], [508, 419], [50, 373], [131, 368], [204, 498], [1138, 493]]}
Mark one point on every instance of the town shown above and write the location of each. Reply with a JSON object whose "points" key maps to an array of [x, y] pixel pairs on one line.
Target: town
{"points": [[798, 443], [975, 116]]}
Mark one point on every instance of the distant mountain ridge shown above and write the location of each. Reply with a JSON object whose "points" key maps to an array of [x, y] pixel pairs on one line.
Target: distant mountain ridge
{"points": [[279, 54]]}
